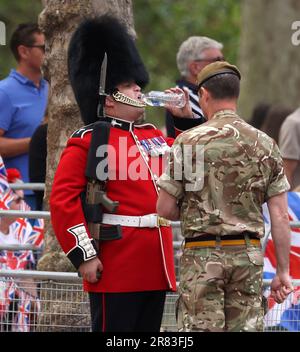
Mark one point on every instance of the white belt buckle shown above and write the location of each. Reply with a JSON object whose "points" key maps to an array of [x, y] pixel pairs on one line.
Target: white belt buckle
{"points": [[149, 220], [154, 220]]}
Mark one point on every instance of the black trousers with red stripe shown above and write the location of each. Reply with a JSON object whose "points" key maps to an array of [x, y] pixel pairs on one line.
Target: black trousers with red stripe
{"points": [[127, 311]]}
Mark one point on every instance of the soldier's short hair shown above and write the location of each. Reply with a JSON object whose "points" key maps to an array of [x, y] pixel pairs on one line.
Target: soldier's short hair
{"points": [[192, 49], [224, 86]]}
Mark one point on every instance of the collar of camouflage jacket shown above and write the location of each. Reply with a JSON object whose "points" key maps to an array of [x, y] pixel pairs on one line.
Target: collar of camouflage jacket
{"points": [[224, 113]]}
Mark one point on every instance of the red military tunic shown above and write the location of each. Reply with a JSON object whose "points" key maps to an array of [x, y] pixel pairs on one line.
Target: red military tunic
{"points": [[143, 259]]}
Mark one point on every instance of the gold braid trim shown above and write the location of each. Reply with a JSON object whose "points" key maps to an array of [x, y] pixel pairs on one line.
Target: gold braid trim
{"points": [[122, 98]]}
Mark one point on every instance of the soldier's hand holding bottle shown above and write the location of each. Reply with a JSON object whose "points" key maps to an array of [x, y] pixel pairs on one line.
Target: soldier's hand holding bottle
{"points": [[185, 111]]}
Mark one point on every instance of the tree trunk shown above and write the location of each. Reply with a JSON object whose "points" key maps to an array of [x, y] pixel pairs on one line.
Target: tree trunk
{"points": [[269, 58], [58, 20]]}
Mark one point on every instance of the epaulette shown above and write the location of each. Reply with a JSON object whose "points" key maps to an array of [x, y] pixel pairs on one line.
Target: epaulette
{"points": [[82, 131]]}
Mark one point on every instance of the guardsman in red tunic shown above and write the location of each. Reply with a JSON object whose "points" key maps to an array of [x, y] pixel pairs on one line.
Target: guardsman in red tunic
{"points": [[128, 266]]}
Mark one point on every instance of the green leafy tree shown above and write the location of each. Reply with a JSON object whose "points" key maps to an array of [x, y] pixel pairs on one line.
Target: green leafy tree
{"points": [[162, 25]]}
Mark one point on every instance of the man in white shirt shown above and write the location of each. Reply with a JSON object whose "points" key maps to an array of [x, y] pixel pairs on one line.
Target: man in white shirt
{"points": [[289, 145]]}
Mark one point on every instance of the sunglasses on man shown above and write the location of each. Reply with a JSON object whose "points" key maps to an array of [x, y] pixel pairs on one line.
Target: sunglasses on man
{"points": [[41, 46]]}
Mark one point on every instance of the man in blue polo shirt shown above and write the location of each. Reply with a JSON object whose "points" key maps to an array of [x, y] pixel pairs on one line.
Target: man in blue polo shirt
{"points": [[23, 100]]}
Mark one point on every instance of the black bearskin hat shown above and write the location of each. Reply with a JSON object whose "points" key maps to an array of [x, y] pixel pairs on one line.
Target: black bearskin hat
{"points": [[88, 44]]}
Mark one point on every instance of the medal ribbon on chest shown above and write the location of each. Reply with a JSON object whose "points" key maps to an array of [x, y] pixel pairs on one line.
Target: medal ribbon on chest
{"points": [[155, 146]]}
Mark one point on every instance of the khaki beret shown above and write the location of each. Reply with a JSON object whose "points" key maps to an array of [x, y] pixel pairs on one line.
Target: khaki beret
{"points": [[214, 69]]}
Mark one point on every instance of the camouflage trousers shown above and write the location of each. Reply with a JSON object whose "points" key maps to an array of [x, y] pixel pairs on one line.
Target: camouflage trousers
{"points": [[220, 289]]}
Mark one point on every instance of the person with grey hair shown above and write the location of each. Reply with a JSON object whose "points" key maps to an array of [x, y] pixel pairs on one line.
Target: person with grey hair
{"points": [[193, 55]]}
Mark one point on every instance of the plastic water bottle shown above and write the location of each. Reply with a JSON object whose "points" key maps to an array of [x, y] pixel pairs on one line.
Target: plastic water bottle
{"points": [[156, 98]]}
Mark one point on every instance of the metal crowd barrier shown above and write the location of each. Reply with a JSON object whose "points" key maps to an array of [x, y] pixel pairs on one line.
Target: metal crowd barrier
{"points": [[31, 214], [43, 301], [28, 186], [54, 301], [19, 247]]}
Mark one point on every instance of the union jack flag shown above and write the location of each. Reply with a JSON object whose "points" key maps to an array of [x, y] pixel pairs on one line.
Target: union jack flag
{"points": [[25, 310], [25, 234], [25, 305], [36, 236], [5, 199], [6, 194], [286, 315], [8, 290], [3, 178], [22, 231]]}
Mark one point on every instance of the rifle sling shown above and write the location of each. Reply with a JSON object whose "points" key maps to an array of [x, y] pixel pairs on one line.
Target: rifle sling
{"points": [[100, 137]]}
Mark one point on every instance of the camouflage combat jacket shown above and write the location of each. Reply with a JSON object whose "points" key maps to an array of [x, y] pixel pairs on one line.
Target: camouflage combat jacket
{"points": [[222, 172]]}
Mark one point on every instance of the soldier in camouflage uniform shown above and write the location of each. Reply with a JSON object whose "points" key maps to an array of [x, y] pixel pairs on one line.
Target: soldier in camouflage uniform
{"points": [[220, 207]]}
